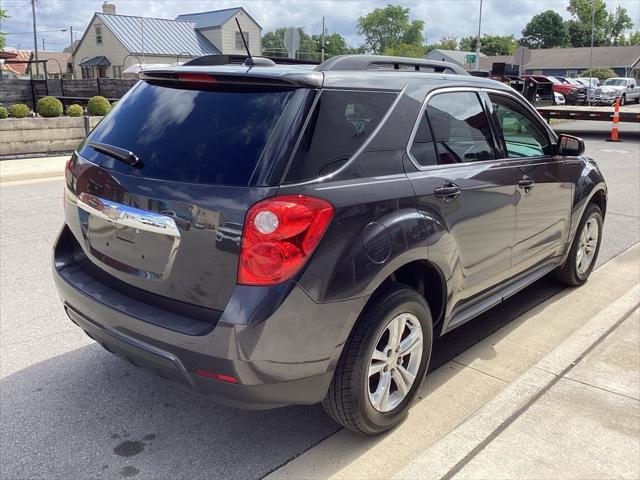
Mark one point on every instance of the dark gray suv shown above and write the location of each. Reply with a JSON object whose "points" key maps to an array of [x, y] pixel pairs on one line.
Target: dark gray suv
{"points": [[275, 235]]}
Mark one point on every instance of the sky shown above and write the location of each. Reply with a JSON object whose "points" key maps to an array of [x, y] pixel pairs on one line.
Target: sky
{"points": [[442, 18]]}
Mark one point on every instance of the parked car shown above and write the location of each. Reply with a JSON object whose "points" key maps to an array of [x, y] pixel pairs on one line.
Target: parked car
{"points": [[382, 207], [626, 89], [573, 94]]}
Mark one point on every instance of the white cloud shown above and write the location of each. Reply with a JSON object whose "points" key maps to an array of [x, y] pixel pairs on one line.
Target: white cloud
{"points": [[442, 17]]}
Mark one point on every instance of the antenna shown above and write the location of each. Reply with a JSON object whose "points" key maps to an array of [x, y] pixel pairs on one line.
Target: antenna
{"points": [[249, 60]]}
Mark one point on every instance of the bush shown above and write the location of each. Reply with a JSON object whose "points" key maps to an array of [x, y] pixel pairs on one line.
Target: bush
{"points": [[600, 73], [19, 110], [3, 113], [49, 107], [98, 106], [75, 110]]}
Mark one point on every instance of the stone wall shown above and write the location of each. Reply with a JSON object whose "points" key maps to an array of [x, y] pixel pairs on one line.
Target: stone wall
{"points": [[20, 136]]}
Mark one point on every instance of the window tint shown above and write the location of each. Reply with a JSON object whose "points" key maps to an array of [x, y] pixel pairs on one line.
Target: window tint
{"points": [[338, 126], [523, 135], [460, 128], [211, 136], [423, 149]]}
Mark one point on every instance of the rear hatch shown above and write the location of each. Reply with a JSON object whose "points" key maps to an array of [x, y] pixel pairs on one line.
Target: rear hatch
{"points": [[159, 191]]}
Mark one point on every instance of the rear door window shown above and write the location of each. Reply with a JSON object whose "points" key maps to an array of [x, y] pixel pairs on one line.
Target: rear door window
{"points": [[190, 135], [339, 124], [461, 129]]}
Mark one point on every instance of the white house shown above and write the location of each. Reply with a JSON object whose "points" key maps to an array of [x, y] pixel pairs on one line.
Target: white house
{"points": [[112, 42]]}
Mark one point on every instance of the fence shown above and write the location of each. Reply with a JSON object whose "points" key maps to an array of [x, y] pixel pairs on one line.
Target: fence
{"points": [[28, 91]]}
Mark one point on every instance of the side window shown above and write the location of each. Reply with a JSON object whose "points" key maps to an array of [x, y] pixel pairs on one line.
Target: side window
{"points": [[523, 135], [340, 123], [423, 149], [98, 34], [460, 128]]}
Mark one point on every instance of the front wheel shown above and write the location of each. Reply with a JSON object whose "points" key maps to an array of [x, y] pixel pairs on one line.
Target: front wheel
{"points": [[584, 250], [383, 363], [623, 100]]}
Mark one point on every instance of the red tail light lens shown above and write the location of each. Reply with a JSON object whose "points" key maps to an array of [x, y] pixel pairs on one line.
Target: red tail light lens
{"points": [[279, 235]]}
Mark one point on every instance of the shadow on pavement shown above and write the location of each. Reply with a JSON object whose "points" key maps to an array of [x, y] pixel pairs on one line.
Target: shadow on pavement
{"points": [[88, 414]]}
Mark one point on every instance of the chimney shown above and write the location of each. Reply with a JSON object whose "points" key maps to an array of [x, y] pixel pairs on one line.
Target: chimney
{"points": [[109, 8]]}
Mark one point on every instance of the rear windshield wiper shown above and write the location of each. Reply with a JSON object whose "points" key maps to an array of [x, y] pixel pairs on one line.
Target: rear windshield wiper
{"points": [[118, 153]]}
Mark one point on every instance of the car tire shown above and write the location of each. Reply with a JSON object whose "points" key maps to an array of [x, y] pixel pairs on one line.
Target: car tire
{"points": [[357, 399], [572, 272], [623, 100]]}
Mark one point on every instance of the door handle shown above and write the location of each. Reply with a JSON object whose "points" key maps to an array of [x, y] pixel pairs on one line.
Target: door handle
{"points": [[448, 191], [526, 184]]}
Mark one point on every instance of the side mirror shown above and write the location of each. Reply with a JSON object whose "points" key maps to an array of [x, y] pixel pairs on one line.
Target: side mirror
{"points": [[570, 146]]}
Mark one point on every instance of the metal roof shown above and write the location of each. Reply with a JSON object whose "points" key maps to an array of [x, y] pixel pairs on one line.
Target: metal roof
{"points": [[161, 36], [209, 19], [98, 61]]}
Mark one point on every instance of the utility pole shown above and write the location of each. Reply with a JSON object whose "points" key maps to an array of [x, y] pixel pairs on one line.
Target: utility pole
{"points": [[477, 64], [73, 68], [593, 23], [44, 49], [323, 39], [35, 36]]}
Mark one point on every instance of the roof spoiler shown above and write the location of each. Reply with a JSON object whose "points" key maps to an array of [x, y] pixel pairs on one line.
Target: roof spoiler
{"points": [[240, 59], [378, 62]]}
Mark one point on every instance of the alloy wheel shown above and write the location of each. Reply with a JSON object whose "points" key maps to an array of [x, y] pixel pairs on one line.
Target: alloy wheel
{"points": [[395, 362], [588, 243]]}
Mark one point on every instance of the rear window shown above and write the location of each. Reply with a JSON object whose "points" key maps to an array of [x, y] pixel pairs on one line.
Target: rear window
{"points": [[340, 123], [201, 136]]}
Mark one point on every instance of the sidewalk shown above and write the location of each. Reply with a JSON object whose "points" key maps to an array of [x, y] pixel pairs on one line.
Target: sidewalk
{"points": [[553, 394], [32, 168]]}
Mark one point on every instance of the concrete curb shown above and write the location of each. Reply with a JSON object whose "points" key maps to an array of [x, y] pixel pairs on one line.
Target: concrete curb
{"points": [[446, 457], [8, 179], [32, 168]]}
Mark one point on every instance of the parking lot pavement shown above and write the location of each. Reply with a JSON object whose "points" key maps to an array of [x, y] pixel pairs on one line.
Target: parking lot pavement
{"points": [[72, 410]]}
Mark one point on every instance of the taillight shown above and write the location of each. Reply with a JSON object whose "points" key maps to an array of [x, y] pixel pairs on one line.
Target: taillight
{"points": [[279, 235]]}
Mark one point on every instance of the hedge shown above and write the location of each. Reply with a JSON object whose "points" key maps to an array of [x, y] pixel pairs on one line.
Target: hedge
{"points": [[3, 113], [49, 107], [98, 106], [19, 110], [75, 110]]}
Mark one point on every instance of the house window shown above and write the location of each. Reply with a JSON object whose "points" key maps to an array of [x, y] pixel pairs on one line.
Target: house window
{"points": [[87, 72], [98, 34], [239, 44], [117, 71]]}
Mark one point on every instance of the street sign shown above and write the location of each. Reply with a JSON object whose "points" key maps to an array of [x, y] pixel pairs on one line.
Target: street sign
{"points": [[292, 41], [471, 58]]}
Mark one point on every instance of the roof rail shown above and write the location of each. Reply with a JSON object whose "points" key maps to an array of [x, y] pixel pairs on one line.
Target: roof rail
{"points": [[373, 62], [239, 59]]}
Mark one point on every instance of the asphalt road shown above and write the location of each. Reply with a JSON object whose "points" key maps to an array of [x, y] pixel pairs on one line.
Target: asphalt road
{"points": [[69, 409]]}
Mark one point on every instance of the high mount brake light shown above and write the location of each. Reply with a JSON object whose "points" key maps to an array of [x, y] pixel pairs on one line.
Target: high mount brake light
{"points": [[279, 235], [196, 77]]}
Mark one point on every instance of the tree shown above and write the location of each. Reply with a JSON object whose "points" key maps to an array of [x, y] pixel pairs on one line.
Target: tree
{"points": [[619, 22], [387, 27], [406, 50], [3, 14], [633, 39], [490, 44], [445, 43], [273, 44], [579, 34], [579, 27], [545, 30], [334, 44], [599, 73]]}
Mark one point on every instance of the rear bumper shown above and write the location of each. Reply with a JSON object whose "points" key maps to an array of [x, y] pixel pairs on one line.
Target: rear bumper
{"points": [[276, 356]]}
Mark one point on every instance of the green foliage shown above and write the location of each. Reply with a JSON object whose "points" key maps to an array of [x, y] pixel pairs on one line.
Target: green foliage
{"points": [[606, 26], [619, 22], [3, 15], [599, 73], [75, 111], [19, 110], [334, 44], [406, 50], [545, 30], [633, 38], [273, 44], [490, 44], [98, 106], [49, 107], [388, 27], [445, 43], [3, 113]]}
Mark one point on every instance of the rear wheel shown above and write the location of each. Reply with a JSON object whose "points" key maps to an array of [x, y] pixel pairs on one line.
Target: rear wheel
{"points": [[623, 100], [383, 363], [584, 249]]}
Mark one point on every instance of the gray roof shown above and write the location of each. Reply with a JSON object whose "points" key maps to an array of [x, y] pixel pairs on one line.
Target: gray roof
{"points": [[161, 36], [209, 19], [579, 58], [99, 60]]}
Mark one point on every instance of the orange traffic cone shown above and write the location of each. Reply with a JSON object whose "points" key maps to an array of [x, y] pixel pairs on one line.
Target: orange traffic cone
{"points": [[614, 128]]}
